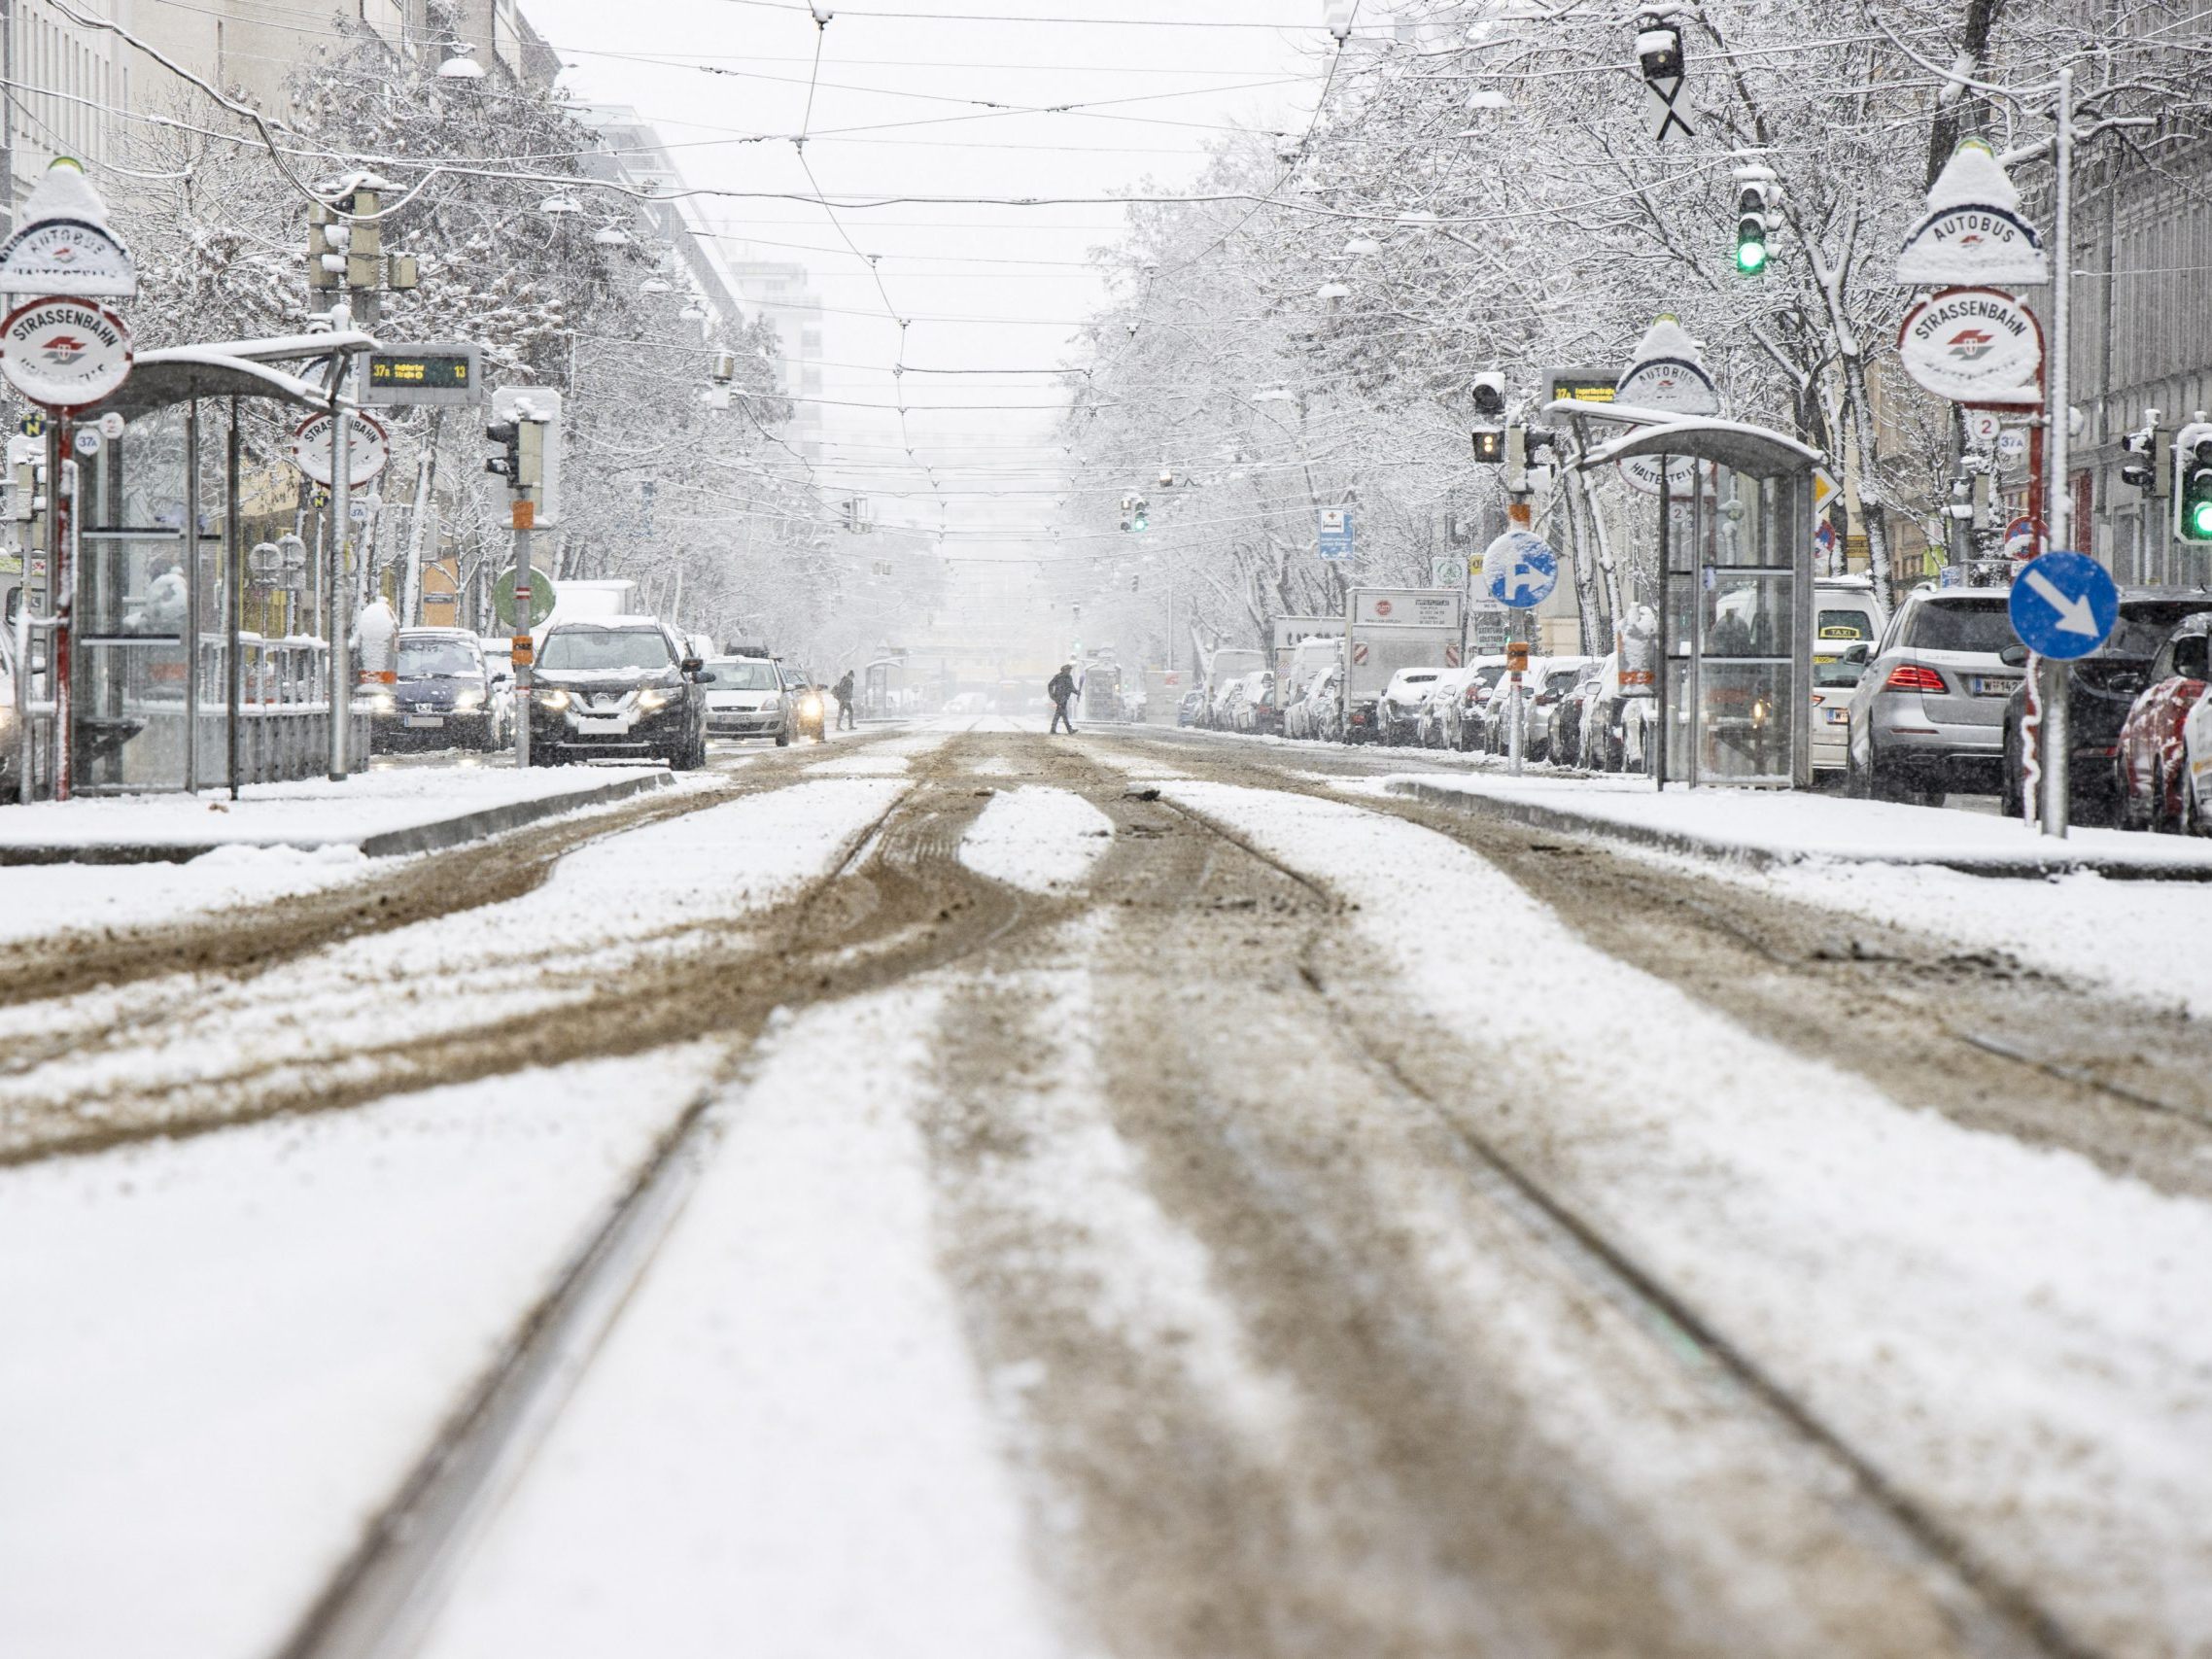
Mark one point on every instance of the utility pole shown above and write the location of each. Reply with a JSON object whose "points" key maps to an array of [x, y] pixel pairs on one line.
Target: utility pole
{"points": [[2057, 789]]}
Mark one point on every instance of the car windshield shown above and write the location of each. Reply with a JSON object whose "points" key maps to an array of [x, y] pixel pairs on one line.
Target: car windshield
{"points": [[437, 658], [2143, 627], [1843, 625], [1490, 673], [737, 674], [1560, 679], [1951, 626], [571, 650]]}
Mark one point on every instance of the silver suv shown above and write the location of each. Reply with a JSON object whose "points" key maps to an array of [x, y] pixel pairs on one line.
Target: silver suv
{"points": [[1930, 717]]}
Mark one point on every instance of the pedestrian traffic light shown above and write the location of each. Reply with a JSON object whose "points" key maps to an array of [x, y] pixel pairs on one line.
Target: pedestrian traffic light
{"points": [[1754, 219], [2193, 483], [508, 463]]}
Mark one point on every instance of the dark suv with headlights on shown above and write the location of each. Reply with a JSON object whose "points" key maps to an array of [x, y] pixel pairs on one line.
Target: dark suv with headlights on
{"points": [[617, 688], [441, 695]]}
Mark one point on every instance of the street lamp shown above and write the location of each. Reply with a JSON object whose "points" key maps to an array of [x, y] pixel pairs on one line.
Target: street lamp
{"points": [[460, 66], [559, 205], [611, 236], [1363, 247]]}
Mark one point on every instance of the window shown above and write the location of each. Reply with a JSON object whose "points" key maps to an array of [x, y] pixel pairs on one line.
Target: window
{"points": [[1955, 627], [437, 658], [593, 651], [739, 674]]}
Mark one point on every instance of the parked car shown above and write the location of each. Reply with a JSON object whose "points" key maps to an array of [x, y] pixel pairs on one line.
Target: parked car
{"points": [[1619, 722], [747, 699], [2196, 815], [1260, 714], [1232, 710], [1320, 711], [1398, 709], [1192, 709], [1463, 720], [1431, 728], [1567, 718], [1497, 712], [2148, 767], [1547, 696], [1929, 717], [2102, 692], [441, 695], [617, 686]]}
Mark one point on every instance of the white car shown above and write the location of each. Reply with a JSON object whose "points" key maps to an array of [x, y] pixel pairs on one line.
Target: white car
{"points": [[1835, 684], [747, 699], [1399, 711], [1434, 727], [1315, 715]]}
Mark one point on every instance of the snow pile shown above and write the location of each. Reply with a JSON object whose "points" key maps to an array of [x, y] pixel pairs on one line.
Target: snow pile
{"points": [[53, 898], [784, 1447], [223, 1352], [1973, 176], [1045, 841], [2016, 1338]]}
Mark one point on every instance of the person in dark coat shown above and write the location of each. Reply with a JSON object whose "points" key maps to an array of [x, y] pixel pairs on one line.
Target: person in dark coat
{"points": [[845, 717], [1061, 691]]}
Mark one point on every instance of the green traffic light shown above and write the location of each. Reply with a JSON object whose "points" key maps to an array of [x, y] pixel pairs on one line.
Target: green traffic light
{"points": [[2200, 520], [1751, 257]]}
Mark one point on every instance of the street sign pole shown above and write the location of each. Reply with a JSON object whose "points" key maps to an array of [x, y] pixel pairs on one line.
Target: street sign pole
{"points": [[2062, 607], [340, 544]]}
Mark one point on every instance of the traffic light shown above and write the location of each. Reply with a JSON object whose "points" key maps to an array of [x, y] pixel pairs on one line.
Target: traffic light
{"points": [[508, 463], [1141, 519], [1490, 397], [1128, 512], [1658, 49], [2149, 460], [1754, 219], [1490, 445], [2193, 483]]}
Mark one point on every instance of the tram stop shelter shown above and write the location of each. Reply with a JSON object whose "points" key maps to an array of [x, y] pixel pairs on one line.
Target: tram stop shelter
{"points": [[170, 689], [1735, 535]]}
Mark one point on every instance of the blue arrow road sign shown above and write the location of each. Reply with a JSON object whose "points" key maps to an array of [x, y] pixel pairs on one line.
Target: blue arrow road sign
{"points": [[1519, 569], [2064, 605]]}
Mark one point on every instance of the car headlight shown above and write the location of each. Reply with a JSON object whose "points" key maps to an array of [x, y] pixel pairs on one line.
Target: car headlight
{"points": [[464, 701], [383, 703], [813, 706], [553, 699], [650, 699]]}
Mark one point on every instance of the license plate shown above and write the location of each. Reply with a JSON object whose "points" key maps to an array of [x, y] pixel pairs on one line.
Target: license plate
{"points": [[601, 724], [423, 720], [1837, 716], [1993, 685]]}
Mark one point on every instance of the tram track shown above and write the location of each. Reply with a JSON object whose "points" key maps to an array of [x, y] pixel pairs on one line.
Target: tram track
{"points": [[1998, 1616], [381, 1599]]}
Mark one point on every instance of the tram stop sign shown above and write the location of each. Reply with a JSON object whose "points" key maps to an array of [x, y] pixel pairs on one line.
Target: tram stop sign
{"points": [[2063, 606]]}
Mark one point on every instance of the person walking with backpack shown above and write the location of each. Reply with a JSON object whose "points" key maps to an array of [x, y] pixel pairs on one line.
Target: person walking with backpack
{"points": [[846, 721], [1061, 690]]}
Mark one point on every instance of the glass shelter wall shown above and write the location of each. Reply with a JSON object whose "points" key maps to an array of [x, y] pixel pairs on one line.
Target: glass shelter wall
{"points": [[1735, 620]]}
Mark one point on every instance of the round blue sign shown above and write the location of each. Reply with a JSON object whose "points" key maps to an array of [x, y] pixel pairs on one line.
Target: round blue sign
{"points": [[2064, 605], [1519, 569]]}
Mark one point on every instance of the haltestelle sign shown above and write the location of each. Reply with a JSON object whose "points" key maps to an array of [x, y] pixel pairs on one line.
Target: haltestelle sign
{"points": [[66, 354], [1679, 387], [1966, 343]]}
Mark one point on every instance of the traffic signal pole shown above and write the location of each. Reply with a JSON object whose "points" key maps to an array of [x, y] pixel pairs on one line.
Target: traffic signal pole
{"points": [[524, 654], [335, 592]]}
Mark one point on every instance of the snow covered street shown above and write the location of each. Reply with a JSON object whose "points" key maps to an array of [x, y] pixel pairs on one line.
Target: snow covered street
{"points": [[1111, 1197]]}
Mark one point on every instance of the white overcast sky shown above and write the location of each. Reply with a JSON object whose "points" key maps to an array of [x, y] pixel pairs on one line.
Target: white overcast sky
{"points": [[1018, 276]]}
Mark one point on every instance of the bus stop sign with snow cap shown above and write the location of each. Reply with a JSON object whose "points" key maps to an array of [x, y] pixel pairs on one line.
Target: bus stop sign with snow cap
{"points": [[2063, 606]]}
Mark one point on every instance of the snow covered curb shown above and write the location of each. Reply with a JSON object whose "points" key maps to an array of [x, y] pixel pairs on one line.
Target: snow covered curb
{"points": [[381, 814], [1766, 828]]}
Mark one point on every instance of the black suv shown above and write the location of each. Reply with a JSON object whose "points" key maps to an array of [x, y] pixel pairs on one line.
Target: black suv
{"points": [[442, 694], [620, 687]]}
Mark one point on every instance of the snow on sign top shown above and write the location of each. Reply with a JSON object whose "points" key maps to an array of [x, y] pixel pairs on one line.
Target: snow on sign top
{"points": [[65, 244], [1972, 234]]}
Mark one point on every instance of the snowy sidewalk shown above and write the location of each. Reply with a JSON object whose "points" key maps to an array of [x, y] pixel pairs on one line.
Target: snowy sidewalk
{"points": [[376, 813], [1763, 828]]}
